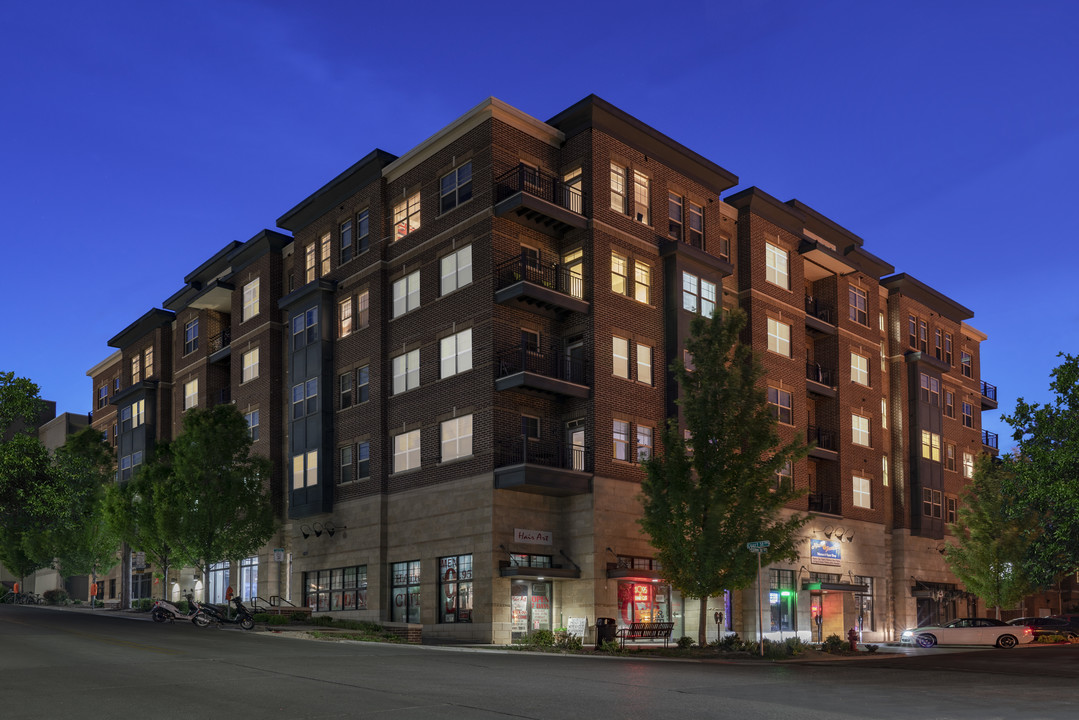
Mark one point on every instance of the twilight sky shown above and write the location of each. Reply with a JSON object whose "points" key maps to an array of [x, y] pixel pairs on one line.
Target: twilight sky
{"points": [[137, 138]]}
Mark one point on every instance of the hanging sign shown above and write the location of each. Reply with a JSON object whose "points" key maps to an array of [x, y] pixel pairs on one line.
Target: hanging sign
{"points": [[825, 552]]}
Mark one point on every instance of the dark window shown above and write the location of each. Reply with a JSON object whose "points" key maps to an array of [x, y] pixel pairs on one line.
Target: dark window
{"points": [[938, 344], [923, 336], [966, 364], [362, 231], [338, 589], [455, 589], [530, 427], [346, 390], [456, 187], [968, 415], [405, 591], [312, 395], [191, 336], [347, 467], [912, 331], [346, 241], [362, 384], [780, 405], [858, 306], [363, 461]]}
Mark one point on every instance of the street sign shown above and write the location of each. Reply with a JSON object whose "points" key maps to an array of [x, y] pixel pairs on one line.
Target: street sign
{"points": [[758, 546]]}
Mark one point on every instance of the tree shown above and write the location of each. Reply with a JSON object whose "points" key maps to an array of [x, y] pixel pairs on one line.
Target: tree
{"points": [[993, 537], [1046, 477], [215, 506], [704, 498]]}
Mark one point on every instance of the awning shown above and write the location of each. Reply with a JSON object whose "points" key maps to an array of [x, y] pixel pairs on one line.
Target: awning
{"points": [[633, 574], [834, 587], [539, 573]]}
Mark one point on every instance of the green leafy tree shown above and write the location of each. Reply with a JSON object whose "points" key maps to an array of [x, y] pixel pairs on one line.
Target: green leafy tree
{"points": [[703, 499], [25, 488], [993, 537], [215, 506], [1046, 477]]}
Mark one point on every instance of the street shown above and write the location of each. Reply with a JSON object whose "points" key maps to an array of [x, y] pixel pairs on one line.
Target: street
{"points": [[63, 664]]}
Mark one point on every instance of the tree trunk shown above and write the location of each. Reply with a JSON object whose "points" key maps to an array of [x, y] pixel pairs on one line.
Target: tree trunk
{"points": [[702, 624]]}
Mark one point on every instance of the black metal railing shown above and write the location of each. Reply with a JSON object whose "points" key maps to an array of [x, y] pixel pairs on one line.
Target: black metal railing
{"points": [[549, 453], [989, 391], [823, 502], [819, 310], [539, 184], [552, 363], [221, 340], [820, 374], [824, 439], [553, 276], [990, 439]]}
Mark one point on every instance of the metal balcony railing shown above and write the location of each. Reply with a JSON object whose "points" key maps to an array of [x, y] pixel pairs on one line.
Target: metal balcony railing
{"points": [[549, 453], [989, 391], [818, 373], [553, 276], [221, 340], [819, 310], [524, 178], [990, 439], [823, 502], [824, 439], [552, 363]]}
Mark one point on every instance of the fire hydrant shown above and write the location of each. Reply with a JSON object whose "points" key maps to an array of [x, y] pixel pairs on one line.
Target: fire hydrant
{"points": [[852, 636]]}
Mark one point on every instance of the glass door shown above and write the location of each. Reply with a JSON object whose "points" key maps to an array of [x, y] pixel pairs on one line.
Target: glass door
{"points": [[530, 607], [575, 444]]}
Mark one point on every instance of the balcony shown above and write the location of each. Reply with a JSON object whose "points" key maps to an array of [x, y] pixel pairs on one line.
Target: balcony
{"points": [[819, 316], [220, 346], [540, 201], [989, 397], [549, 286], [822, 443], [543, 467], [551, 371], [820, 380], [990, 440], [824, 503]]}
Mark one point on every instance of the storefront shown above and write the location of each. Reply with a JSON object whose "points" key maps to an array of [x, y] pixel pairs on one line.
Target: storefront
{"points": [[643, 596], [532, 592]]}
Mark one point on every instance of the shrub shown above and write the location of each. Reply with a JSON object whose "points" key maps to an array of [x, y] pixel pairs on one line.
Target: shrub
{"points": [[322, 620], [143, 605], [262, 617], [733, 643], [565, 641], [835, 644], [795, 646], [540, 638], [776, 650], [279, 620], [685, 642], [56, 597], [610, 646], [1051, 639], [297, 618]]}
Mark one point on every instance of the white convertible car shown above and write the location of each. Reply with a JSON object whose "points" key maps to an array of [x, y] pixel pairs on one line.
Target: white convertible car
{"points": [[969, 631]]}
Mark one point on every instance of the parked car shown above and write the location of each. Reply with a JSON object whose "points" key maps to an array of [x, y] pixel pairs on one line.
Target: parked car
{"points": [[969, 631], [1048, 626]]}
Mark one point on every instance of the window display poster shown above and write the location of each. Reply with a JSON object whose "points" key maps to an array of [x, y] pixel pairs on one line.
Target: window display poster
{"points": [[519, 608], [541, 612]]}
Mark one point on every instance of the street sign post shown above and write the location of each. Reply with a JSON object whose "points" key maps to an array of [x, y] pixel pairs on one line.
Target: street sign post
{"points": [[757, 547]]}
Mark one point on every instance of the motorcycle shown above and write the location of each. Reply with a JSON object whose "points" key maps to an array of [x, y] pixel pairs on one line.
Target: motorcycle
{"points": [[163, 611], [206, 614]]}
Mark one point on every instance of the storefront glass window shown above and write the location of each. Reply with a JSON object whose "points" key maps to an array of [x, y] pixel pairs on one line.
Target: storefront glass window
{"points": [[782, 599], [643, 602], [219, 582], [405, 592], [864, 604], [337, 589], [455, 592], [530, 607]]}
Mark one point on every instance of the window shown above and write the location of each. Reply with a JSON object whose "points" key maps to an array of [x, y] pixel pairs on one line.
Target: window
{"points": [[339, 589], [406, 216], [948, 348], [348, 468], [882, 356], [252, 419], [530, 427], [456, 353], [949, 456], [858, 306], [116, 385], [859, 369], [884, 469], [859, 430], [930, 391], [251, 300], [862, 495], [305, 470], [880, 321], [102, 396], [191, 336], [783, 605], [345, 384], [250, 365], [687, 361], [304, 328], [619, 274], [621, 440], [346, 241], [696, 226], [406, 294], [698, 294], [125, 468], [406, 451], [923, 336], [644, 442], [457, 438], [344, 318], [780, 404], [930, 446], [784, 477], [949, 403], [883, 413], [309, 263], [931, 502], [455, 188], [951, 508], [191, 394], [966, 364], [938, 344], [125, 418], [777, 272], [644, 364], [363, 306], [363, 383], [325, 254], [675, 220], [148, 362], [363, 460], [136, 369], [968, 465], [405, 592], [642, 282], [304, 398], [779, 337], [618, 188], [406, 371], [621, 357], [642, 198], [968, 415], [455, 589], [912, 331], [456, 270]]}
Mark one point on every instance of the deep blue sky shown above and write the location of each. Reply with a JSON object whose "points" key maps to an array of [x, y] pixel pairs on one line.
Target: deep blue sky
{"points": [[136, 138]]}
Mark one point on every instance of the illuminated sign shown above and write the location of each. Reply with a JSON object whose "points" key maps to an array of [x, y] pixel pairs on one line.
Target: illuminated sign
{"points": [[825, 552]]}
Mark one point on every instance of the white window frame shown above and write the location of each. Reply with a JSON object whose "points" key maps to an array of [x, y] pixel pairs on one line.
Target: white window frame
{"points": [[406, 451], [344, 317], [618, 188], [642, 198], [642, 282], [645, 442], [456, 435], [859, 369], [406, 294], [619, 274], [250, 365], [860, 430], [620, 357], [252, 419], [779, 337], [621, 436], [460, 189], [644, 364], [324, 251], [456, 270], [406, 216], [191, 394], [777, 262], [455, 353], [406, 371], [251, 300], [968, 465], [862, 493]]}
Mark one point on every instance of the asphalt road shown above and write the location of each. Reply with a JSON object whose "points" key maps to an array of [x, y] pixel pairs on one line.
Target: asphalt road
{"points": [[56, 664]]}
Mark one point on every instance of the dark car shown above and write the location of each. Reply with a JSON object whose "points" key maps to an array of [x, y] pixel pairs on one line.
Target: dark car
{"points": [[1043, 626]]}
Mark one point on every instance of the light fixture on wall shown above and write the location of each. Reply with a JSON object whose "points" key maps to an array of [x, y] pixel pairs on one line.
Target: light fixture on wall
{"points": [[839, 532], [850, 536], [828, 530], [306, 531]]}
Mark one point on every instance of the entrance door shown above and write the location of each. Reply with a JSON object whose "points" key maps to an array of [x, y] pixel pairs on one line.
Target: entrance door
{"points": [[575, 444], [530, 607], [574, 360]]}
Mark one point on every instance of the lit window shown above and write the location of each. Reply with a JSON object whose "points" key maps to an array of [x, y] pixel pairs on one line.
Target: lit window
{"points": [[191, 336], [364, 307], [884, 469], [311, 475], [698, 294], [455, 188], [325, 243], [619, 274], [456, 353], [776, 271], [148, 362], [344, 318], [859, 369], [618, 188], [859, 430], [644, 364], [780, 403], [250, 365], [406, 372], [642, 282], [136, 369], [456, 270], [884, 414], [862, 496], [784, 477], [644, 442], [858, 306], [779, 337], [309, 263], [968, 465], [930, 446], [642, 198], [406, 216], [251, 300], [457, 438], [406, 294], [406, 451], [191, 394], [621, 440], [621, 357]]}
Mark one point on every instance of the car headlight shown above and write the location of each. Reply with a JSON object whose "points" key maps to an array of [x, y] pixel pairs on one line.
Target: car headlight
{"points": [[908, 633]]}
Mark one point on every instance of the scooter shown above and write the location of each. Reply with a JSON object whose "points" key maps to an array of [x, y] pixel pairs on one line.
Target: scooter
{"points": [[163, 611], [206, 614]]}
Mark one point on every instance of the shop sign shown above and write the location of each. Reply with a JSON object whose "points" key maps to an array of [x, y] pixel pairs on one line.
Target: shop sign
{"points": [[824, 552], [577, 626], [532, 537]]}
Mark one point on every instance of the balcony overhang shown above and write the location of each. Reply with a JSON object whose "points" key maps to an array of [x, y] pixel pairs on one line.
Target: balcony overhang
{"points": [[539, 214], [543, 480], [542, 383], [634, 574], [816, 324], [822, 453], [683, 250], [988, 403], [530, 293], [825, 255], [819, 388], [221, 355]]}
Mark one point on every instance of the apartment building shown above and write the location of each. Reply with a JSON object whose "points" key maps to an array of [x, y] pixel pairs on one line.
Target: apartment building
{"points": [[458, 358]]}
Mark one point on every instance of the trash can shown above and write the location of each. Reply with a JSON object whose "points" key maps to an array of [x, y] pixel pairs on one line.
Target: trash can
{"points": [[605, 630]]}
